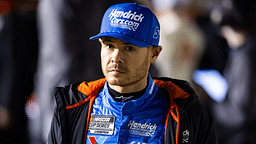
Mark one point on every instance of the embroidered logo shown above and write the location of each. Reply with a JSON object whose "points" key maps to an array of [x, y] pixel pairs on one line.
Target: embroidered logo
{"points": [[146, 129], [156, 33], [185, 136], [93, 140], [127, 20]]}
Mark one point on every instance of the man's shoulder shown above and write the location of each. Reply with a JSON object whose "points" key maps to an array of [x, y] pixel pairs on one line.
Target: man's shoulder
{"points": [[181, 88], [179, 91], [68, 95], [78, 92], [184, 85]]}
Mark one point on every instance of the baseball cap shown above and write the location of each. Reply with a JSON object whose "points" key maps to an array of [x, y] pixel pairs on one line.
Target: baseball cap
{"points": [[132, 23]]}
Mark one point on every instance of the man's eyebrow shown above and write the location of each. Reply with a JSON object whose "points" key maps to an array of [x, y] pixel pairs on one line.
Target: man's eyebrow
{"points": [[106, 40], [109, 40], [126, 43]]}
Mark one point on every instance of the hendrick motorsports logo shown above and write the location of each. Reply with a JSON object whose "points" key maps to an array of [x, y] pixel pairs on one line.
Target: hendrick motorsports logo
{"points": [[146, 129], [127, 20]]}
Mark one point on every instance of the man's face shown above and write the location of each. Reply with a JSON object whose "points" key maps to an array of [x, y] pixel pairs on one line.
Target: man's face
{"points": [[124, 64]]}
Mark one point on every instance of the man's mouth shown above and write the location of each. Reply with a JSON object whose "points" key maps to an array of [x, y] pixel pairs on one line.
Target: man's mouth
{"points": [[116, 71]]}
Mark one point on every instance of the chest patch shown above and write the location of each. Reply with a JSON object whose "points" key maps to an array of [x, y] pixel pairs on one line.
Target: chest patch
{"points": [[103, 125]]}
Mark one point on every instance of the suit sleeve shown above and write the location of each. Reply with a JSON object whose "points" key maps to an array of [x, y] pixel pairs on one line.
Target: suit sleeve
{"points": [[55, 134], [197, 126], [207, 131]]}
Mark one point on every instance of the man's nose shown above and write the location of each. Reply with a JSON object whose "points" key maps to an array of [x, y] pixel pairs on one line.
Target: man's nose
{"points": [[117, 56]]}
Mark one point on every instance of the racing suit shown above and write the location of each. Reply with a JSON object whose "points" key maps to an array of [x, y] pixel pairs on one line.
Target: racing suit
{"points": [[168, 112]]}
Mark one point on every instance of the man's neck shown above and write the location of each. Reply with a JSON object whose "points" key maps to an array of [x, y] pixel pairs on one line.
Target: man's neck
{"points": [[124, 97]]}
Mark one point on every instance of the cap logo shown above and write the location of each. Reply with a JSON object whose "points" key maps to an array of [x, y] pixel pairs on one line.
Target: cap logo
{"points": [[127, 20], [156, 33], [133, 23]]}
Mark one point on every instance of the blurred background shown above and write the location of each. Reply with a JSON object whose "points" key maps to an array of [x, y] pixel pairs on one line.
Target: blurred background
{"points": [[45, 44]]}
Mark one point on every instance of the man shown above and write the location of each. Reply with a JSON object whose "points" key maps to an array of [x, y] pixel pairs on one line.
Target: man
{"points": [[128, 106]]}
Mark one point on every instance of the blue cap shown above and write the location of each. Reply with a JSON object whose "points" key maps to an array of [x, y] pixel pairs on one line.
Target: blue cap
{"points": [[132, 23]]}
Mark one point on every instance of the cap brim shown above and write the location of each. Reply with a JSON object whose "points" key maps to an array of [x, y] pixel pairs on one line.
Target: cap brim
{"points": [[126, 38]]}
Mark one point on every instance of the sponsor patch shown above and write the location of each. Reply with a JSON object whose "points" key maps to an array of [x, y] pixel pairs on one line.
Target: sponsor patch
{"points": [[103, 125], [93, 140]]}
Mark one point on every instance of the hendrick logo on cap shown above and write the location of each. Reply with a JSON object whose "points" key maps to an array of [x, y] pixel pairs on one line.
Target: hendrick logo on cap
{"points": [[127, 20]]}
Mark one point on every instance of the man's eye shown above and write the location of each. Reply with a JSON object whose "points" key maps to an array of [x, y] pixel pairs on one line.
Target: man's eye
{"points": [[110, 46], [129, 48]]}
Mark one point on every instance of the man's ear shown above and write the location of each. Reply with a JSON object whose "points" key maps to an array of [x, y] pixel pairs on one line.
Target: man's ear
{"points": [[100, 40], [155, 53]]}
